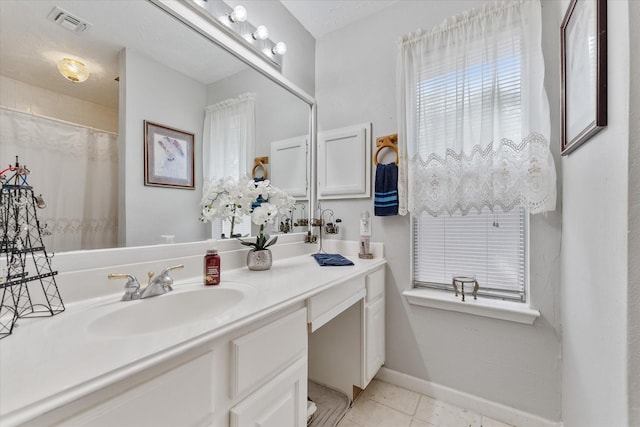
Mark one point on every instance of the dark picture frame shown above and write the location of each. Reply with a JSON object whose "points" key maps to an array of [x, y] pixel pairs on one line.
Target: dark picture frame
{"points": [[583, 74], [168, 157]]}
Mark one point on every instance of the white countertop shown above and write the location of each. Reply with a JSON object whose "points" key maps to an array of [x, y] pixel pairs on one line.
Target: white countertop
{"points": [[48, 362]]}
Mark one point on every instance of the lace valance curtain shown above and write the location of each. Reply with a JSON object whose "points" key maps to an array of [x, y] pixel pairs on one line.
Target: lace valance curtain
{"points": [[474, 115]]}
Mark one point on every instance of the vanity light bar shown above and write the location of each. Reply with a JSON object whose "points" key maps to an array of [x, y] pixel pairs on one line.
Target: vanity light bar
{"points": [[234, 21]]}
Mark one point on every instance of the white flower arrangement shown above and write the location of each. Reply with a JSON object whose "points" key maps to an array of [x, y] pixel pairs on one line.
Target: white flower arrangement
{"points": [[232, 199]]}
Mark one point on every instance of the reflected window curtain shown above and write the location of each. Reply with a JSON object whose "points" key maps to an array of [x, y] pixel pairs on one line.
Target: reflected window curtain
{"points": [[229, 144], [75, 168], [474, 115]]}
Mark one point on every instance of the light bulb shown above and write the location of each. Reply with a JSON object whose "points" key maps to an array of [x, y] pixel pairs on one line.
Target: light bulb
{"points": [[239, 14], [73, 70], [280, 48], [261, 33]]}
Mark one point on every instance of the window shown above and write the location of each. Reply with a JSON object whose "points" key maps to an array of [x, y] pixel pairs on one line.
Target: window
{"points": [[228, 150], [474, 125], [490, 246], [223, 227], [457, 106]]}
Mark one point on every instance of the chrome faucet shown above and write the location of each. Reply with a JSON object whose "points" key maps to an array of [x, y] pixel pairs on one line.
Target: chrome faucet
{"points": [[131, 288], [158, 285]]}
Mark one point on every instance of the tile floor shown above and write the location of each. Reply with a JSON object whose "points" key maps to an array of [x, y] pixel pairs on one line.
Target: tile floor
{"points": [[385, 405]]}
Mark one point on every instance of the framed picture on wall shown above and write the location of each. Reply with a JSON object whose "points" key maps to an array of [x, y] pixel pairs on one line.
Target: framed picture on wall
{"points": [[168, 157], [583, 48]]}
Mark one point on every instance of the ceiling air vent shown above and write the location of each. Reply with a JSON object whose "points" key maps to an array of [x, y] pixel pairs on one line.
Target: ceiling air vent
{"points": [[67, 20]]}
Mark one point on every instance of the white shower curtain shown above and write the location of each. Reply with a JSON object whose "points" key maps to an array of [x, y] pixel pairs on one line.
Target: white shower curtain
{"points": [[75, 168]]}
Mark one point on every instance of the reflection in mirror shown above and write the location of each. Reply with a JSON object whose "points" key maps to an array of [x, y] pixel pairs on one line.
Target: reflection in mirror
{"points": [[84, 141]]}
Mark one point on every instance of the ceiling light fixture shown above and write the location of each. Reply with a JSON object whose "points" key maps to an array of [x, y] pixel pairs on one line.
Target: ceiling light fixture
{"points": [[239, 14], [73, 70], [261, 33]]}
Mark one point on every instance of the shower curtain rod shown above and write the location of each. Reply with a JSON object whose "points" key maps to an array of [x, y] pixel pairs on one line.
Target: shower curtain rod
{"points": [[53, 119]]}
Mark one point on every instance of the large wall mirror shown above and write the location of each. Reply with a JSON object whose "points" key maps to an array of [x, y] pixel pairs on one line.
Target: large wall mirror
{"points": [[84, 141]]}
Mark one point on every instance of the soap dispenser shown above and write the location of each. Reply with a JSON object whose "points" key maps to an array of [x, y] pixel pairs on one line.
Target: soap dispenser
{"points": [[365, 236], [212, 265]]}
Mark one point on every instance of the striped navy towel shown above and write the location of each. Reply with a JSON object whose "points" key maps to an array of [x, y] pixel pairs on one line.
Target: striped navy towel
{"points": [[385, 201]]}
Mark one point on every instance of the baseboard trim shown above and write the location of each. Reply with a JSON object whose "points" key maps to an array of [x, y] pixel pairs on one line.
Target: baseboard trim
{"points": [[477, 404]]}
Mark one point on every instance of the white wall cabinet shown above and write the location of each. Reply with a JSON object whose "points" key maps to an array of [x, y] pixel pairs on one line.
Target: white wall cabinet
{"points": [[344, 162], [289, 166]]}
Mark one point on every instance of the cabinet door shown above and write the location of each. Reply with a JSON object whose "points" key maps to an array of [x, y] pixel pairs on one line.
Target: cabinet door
{"points": [[374, 339], [282, 402], [344, 162], [179, 396], [258, 355], [289, 166]]}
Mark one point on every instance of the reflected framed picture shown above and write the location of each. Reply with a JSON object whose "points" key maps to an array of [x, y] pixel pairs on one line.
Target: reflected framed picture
{"points": [[168, 157], [583, 79]]}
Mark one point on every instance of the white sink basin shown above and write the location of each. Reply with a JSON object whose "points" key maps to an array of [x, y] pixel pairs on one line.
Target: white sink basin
{"points": [[170, 310]]}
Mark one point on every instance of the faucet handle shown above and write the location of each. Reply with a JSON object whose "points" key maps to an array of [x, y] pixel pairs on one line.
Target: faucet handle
{"points": [[175, 267], [131, 288], [167, 280]]}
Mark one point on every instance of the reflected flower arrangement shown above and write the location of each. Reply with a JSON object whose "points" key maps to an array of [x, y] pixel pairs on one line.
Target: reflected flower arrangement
{"points": [[232, 199]]}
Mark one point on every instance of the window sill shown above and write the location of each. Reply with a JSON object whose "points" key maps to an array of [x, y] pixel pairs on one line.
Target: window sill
{"points": [[486, 307]]}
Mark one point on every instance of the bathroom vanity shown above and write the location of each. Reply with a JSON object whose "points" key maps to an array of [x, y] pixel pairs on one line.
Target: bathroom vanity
{"points": [[238, 354]]}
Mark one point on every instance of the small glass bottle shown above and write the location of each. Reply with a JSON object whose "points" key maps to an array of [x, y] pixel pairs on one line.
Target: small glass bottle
{"points": [[212, 267]]}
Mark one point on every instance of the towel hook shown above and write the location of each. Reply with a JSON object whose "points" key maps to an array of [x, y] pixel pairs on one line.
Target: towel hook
{"points": [[388, 141]]}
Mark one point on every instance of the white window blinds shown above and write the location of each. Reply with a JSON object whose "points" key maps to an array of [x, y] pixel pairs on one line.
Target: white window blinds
{"points": [[471, 99], [489, 246]]}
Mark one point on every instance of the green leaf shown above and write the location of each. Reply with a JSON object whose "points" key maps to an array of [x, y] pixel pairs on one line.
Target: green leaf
{"points": [[271, 242]]}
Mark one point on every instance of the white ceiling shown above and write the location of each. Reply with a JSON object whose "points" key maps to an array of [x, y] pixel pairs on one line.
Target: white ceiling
{"points": [[31, 44], [321, 17]]}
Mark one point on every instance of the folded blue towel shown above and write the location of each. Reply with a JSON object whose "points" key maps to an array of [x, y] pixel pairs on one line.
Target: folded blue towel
{"points": [[331, 260], [385, 201]]}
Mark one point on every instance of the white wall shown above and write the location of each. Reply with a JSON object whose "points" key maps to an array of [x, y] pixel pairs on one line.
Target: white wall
{"points": [[298, 63], [633, 304], [161, 95], [512, 364], [594, 253], [32, 99]]}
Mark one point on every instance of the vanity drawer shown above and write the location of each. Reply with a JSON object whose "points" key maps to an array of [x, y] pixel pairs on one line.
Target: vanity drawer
{"points": [[258, 355], [375, 285], [328, 304]]}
